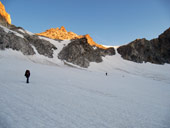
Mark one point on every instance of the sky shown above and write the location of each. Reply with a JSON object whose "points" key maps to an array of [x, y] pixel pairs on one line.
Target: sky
{"points": [[109, 22]]}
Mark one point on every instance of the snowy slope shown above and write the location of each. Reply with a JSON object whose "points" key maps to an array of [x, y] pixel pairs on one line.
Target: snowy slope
{"points": [[51, 61], [59, 96], [132, 95]]}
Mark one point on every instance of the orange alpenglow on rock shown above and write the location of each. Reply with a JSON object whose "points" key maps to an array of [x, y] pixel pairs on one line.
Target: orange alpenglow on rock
{"points": [[62, 34], [58, 33], [4, 14], [92, 43]]}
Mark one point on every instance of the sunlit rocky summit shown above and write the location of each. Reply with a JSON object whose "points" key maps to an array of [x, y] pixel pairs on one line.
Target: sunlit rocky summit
{"points": [[59, 33], [4, 16], [62, 34]]}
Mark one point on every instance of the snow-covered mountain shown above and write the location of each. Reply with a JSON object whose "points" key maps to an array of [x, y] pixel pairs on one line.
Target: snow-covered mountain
{"points": [[81, 49], [78, 51]]}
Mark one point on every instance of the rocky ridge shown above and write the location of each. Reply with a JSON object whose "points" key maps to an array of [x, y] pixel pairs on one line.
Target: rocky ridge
{"points": [[156, 51], [78, 51], [24, 42], [62, 34]]}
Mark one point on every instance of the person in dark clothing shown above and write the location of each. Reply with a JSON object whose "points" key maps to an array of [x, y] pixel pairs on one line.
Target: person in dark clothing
{"points": [[106, 73], [27, 75]]}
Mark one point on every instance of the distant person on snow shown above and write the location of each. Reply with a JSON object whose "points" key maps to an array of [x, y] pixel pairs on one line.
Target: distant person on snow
{"points": [[106, 73], [27, 75]]}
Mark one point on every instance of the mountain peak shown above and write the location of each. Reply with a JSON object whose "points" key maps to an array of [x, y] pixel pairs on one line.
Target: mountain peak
{"points": [[62, 34], [4, 14], [63, 29], [58, 33]]}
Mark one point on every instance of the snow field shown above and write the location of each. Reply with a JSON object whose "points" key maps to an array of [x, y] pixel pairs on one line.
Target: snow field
{"points": [[65, 97]]}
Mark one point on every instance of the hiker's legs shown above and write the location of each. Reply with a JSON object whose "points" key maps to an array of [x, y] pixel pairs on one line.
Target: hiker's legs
{"points": [[27, 79]]}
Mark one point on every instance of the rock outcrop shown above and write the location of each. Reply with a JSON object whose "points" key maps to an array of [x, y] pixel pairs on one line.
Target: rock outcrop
{"points": [[62, 34], [5, 19], [10, 40], [141, 50], [81, 53], [25, 43]]}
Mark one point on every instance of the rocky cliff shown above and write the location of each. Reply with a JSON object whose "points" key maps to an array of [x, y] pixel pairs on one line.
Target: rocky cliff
{"points": [[141, 50], [62, 34], [81, 53], [24, 42], [5, 19]]}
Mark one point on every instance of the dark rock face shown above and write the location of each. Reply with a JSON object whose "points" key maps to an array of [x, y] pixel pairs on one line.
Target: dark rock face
{"points": [[164, 40], [155, 51], [43, 47], [11, 40], [79, 52]]}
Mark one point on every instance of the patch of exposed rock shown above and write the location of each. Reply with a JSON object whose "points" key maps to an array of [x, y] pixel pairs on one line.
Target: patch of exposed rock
{"points": [[10, 40], [81, 53], [24, 42], [43, 47], [141, 50]]}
